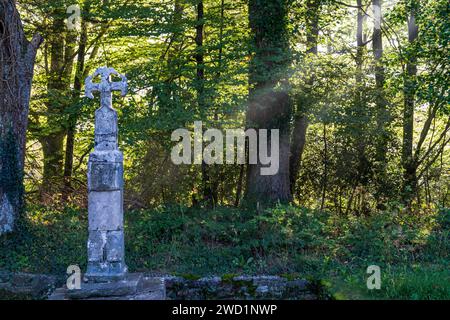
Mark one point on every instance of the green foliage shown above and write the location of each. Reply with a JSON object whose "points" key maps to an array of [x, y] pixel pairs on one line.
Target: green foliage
{"points": [[153, 42], [416, 283], [50, 241], [411, 249], [246, 43], [398, 282]]}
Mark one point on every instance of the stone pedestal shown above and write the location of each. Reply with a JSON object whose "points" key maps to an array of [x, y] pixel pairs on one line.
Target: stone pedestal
{"points": [[106, 257]]}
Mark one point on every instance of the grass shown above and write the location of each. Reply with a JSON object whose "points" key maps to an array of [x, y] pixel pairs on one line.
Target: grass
{"points": [[410, 248], [399, 282]]}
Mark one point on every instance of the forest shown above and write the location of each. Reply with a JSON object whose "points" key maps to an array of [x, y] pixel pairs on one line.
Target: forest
{"points": [[357, 89]]}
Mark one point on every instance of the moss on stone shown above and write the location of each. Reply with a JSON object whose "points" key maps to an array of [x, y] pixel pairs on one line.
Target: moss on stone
{"points": [[290, 276], [188, 276], [6, 295], [228, 277]]}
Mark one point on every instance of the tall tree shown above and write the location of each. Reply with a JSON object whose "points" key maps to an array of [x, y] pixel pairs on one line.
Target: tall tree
{"points": [[208, 196], [429, 88], [61, 49], [81, 71], [300, 117], [409, 165], [360, 46], [17, 57], [269, 108], [77, 84], [360, 98], [382, 112]]}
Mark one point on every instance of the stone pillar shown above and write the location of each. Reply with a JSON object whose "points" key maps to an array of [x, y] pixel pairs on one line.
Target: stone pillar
{"points": [[106, 252]]}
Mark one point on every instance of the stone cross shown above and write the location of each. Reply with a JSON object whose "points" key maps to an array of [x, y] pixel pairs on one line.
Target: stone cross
{"points": [[106, 258]]}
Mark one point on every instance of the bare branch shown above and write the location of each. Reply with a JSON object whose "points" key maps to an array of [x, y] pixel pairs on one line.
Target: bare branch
{"points": [[433, 146]]}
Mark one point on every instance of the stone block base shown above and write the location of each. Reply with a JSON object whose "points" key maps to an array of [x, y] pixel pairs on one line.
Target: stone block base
{"points": [[105, 271], [134, 286]]}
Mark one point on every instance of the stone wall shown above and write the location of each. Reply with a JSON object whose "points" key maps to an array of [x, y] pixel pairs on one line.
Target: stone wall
{"points": [[228, 287], [25, 286], [240, 287]]}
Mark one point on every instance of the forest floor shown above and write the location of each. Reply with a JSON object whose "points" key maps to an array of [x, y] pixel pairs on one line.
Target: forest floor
{"points": [[411, 248]]}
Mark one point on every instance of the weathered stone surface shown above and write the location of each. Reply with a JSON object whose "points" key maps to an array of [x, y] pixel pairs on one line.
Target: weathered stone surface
{"points": [[27, 286], [131, 287], [148, 283], [105, 85], [157, 287], [105, 176], [241, 287], [106, 156], [114, 246], [6, 215], [106, 121], [105, 210], [58, 294], [106, 128], [98, 270], [96, 245], [126, 286], [298, 284]]}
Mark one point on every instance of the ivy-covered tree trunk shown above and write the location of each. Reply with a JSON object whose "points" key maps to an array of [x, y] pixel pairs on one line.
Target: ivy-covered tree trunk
{"points": [[17, 56], [269, 107]]}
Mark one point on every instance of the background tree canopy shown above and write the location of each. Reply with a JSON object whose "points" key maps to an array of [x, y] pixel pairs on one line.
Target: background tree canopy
{"points": [[366, 123]]}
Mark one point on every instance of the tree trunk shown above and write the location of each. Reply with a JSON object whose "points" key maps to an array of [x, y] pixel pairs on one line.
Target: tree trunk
{"points": [[61, 45], [297, 147], [73, 117], [360, 44], [17, 57], [360, 101], [239, 185], [300, 117], [408, 162], [380, 100], [269, 108], [200, 86], [325, 167]]}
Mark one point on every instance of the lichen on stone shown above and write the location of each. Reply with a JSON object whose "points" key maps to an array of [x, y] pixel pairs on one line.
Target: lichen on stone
{"points": [[6, 215]]}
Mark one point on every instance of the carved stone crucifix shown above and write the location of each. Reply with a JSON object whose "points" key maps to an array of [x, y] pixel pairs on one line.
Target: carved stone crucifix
{"points": [[105, 117], [105, 86]]}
